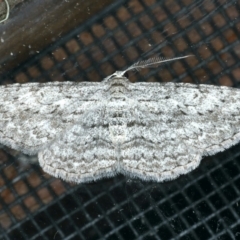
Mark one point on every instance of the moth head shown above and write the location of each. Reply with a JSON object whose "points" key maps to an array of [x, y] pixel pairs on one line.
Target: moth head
{"points": [[117, 76]]}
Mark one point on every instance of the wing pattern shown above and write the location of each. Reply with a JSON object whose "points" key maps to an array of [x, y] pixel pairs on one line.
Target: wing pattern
{"points": [[33, 115], [86, 131]]}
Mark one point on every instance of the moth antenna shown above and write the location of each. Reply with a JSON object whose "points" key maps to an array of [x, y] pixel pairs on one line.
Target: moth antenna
{"points": [[144, 64], [153, 61]]}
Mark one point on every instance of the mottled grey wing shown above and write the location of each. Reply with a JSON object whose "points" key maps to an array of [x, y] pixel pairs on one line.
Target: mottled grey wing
{"points": [[81, 155], [33, 115], [183, 123]]}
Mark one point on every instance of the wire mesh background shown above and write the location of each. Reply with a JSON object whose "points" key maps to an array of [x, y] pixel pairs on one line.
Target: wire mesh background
{"points": [[203, 204]]}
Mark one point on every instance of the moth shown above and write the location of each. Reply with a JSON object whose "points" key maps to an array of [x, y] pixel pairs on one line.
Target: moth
{"points": [[87, 130]]}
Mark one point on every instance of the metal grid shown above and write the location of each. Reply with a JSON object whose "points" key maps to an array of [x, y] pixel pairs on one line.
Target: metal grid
{"points": [[200, 205]]}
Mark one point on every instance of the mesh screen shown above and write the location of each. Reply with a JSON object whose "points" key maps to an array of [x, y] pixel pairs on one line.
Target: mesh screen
{"points": [[203, 204]]}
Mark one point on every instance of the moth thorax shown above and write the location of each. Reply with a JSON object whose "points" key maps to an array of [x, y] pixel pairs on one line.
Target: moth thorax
{"points": [[117, 116], [118, 86]]}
